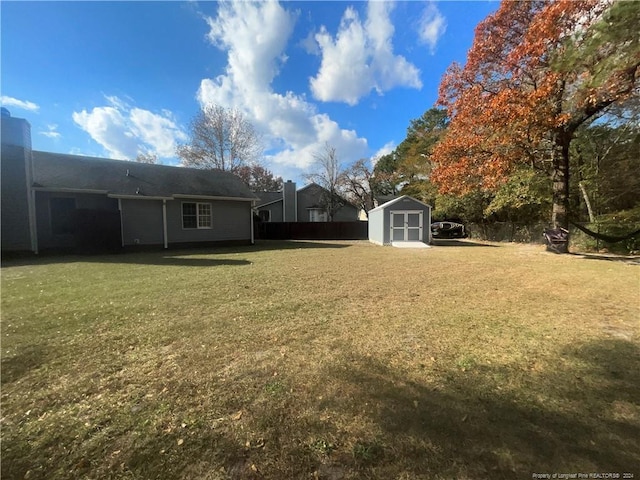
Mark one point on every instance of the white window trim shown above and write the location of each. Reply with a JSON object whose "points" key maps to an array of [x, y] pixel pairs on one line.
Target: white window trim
{"points": [[321, 213], [197, 227]]}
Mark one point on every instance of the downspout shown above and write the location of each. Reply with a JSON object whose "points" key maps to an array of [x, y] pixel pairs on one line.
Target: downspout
{"points": [[33, 226], [31, 197], [164, 224], [251, 222], [121, 222]]}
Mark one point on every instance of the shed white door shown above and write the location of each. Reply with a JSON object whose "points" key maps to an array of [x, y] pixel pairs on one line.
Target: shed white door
{"points": [[406, 226]]}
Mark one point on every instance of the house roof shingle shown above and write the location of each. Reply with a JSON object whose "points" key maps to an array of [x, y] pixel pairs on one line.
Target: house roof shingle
{"points": [[265, 198], [120, 177]]}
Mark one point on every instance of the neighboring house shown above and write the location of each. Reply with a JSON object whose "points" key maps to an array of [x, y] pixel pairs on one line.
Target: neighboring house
{"points": [[403, 219], [304, 205], [57, 201], [377, 201]]}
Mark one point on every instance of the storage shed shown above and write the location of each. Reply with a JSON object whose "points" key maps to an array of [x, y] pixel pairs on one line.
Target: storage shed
{"points": [[403, 219]]}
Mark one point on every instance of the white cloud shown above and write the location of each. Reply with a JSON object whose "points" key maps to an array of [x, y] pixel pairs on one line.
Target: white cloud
{"points": [[126, 131], [255, 36], [386, 149], [360, 58], [157, 131], [51, 131], [431, 26], [22, 104]]}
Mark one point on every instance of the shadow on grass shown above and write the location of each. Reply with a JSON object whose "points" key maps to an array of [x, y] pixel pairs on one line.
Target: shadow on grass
{"points": [[630, 259], [459, 243], [473, 427], [580, 417], [29, 358], [177, 257]]}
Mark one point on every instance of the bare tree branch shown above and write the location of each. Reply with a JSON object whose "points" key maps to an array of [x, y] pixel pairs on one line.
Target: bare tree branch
{"points": [[220, 138], [328, 175]]}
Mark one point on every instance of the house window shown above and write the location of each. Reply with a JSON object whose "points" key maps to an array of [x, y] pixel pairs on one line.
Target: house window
{"points": [[317, 215], [63, 215], [264, 215], [196, 215]]}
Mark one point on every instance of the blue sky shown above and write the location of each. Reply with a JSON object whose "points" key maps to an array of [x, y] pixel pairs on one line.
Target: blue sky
{"points": [[115, 79]]}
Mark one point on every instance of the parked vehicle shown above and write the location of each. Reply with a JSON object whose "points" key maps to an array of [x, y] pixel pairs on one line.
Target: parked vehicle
{"points": [[448, 230]]}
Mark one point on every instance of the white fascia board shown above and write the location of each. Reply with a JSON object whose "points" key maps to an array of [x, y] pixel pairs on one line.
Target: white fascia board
{"points": [[69, 190], [137, 197], [268, 203], [395, 200], [212, 197]]}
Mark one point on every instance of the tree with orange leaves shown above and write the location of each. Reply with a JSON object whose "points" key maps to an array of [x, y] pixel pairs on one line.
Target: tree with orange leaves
{"points": [[536, 72]]}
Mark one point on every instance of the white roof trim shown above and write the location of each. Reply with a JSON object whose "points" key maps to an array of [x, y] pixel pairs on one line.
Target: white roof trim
{"points": [[268, 203], [69, 190], [137, 197], [396, 200], [212, 197]]}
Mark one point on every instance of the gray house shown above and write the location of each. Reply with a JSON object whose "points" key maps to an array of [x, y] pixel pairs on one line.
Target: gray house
{"points": [[303, 205], [403, 219], [58, 201]]}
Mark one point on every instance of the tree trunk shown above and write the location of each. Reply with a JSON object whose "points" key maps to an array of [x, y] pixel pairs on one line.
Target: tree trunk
{"points": [[592, 218], [560, 178]]}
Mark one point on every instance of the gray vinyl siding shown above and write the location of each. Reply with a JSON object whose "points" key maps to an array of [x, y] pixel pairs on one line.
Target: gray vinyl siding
{"points": [[142, 222], [276, 211], [46, 238], [311, 197], [16, 235], [230, 220], [348, 213]]}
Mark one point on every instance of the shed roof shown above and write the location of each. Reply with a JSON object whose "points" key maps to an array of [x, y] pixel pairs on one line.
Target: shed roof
{"points": [[396, 200], [120, 177]]}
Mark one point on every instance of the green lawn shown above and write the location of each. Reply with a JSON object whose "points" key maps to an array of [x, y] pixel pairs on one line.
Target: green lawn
{"points": [[330, 360]]}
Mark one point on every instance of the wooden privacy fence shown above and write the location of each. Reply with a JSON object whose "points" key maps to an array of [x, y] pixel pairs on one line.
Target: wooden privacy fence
{"points": [[311, 230]]}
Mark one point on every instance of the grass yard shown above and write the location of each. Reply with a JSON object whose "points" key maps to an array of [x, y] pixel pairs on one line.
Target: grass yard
{"points": [[325, 360]]}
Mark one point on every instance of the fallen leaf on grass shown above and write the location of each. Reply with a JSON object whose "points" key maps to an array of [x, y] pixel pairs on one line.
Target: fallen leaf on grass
{"points": [[259, 443], [181, 441], [237, 415]]}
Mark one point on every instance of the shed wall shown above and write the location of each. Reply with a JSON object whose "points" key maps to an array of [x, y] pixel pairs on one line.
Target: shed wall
{"points": [[376, 227]]}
